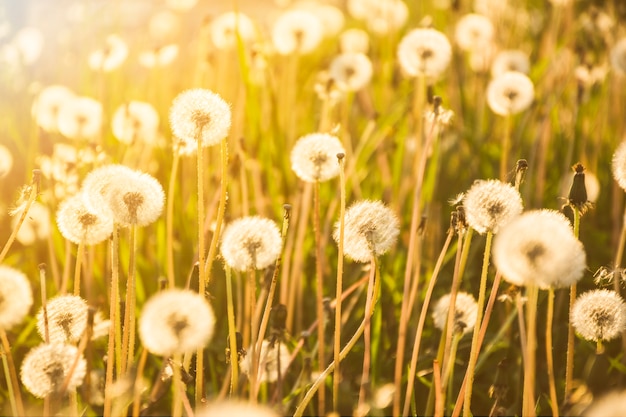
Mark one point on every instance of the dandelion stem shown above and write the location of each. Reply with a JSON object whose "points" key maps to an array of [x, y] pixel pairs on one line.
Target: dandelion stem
{"points": [[169, 220], [44, 302], [12, 382], [319, 293], [367, 338], [506, 145], [112, 357], [569, 360], [137, 386], [7, 376], [554, 404], [80, 253], [337, 338], [128, 338], [254, 368], [232, 330], [199, 396], [177, 402], [528, 396]]}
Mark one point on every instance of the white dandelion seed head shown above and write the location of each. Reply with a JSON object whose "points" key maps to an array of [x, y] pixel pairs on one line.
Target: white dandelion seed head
{"points": [[269, 358], [351, 70], [159, 57], [314, 157], [424, 52], [480, 59], [612, 404], [331, 18], [354, 40], [380, 16], [36, 225], [77, 223], [251, 242], [465, 312], [599, 315], [618, 165], [510, 93], [510, 60], [111, 56], [473, 31], [28, 43], [80, 118], [176, 321], [371, 229], [46, 366], [236, 408], [490, 204], [46, 106], [135, 121], [138, 200], [67, 319], [200, 114], [224, 29], [16, 297], [297, 31], [164, 25], [181, 5], [618, 56], [6, 161], [97, 184], [539, 247]]}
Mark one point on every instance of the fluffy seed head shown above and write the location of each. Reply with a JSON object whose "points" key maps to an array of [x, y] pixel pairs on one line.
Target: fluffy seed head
{"points": [[510, 93], [297, 31], [67, 319], [135, 121], [35, 227], [236, 408], [380, 16], [424, 52], [224, 29], [510, 60], [97, 184], [111, 56], [45, 368], [251, 242], [159, 57], [352, 71], [354, 40], [599, 315], [80, 118], [618, 56], [200, 114], [473, 31], [612, 404], [490, 204], [6, 161], [16, 297], [331, 17], [539, 247], [314, 157], [79, 224], [371, 229], [269, 358], [618, 166], [465, 311], [45, 109], [176, 321]]}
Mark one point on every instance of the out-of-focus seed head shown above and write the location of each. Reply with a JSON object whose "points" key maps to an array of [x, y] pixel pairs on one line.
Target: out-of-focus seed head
{"points": [[268, 361], [79, 224], [618, 166], [67, 319], [45, 109], [352, 71], [599, 315], [314, 157], [424, 52], [36, 225], [490, 204], [331, 17], [473, 31], [618, 56], [159, 57], [16, 297], [297, 32], [465, 312], [6, 161], [111, 56], [510, 60], [381, 16], [236, 408], [510, 93], [134, 122], [224, 29], [612, 404], [80, 118], [354, 40], [181, 5], [251, 242]]}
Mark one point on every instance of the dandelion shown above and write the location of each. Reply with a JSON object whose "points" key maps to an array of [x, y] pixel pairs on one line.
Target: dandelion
{"points": [[539, 247], [296, 31], [380, 16], [473, 32], [80, 118], [490, 204], [612, 404], [176, 321], [510, 93], [352, 71], [6, 161], [159, 57], [135, 121], [225, 28], [251, 243], [330, 17], [424, 52], [235, 408], [181, 5], [200, 114], [111, 56], [371, 229], [354, 40], [28, 42], [78, 224], [97, 184], [314, 157], [16, 297], [269, 359], [46, 367], [164, 25], [510, 60], [618, 166], [465, 311], [36, 226], [46, 106], [618, 56], [137, 201], [599, 315], [67, 319]]}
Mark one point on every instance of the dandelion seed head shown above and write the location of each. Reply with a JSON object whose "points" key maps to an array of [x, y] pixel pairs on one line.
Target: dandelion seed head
{"points": [[176, 321], [135, 121], [510, 93], [6, 161], [612, 404], [80, 118], [539, 247], [159, 57], [371, 229], [46, 366], [331, 18], [473, 31], [380, 16], [314, 157], [618, 56], [67, 319], [111, 56], [618, 166], [16, 297], [268, 361], [424, 52], [97, 184], [251, 242], [28, 43], [465, 312], [164, 25], [236, 408], [224, 29], [181, 5], [354, 40], [297, 31], [200, 114], [36, 225], [599, 315], [510, 60], [77, 223], [351, 71], [46, 106], [490, 204], [139, 200]]}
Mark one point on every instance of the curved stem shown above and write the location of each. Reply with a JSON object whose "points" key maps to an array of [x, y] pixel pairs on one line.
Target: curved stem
{"points": [[138, 384], [12, 382], [367, 338]]}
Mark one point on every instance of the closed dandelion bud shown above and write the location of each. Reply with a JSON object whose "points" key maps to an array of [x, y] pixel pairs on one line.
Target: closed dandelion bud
{"points": [[473, 31], [67, 319], [226, 27], [618, 56], [510, 60], [16, 297], [251, 242], [46, 367], [465, 311], [539, 247], [200, 115], [236, 408], [314, 157], [370, 229], [297, 31], [77, 223], [135, 121], [351, 71], [490, 204], [270, 356], [510, 93], [618, 166], [175, 322], [599, 315], [578, 192], [425, 52]]}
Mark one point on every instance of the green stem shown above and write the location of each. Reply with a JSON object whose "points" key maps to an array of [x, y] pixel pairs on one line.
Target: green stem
{"points": [[554, 403], [528, 396], [319, 293], [112, 356], [80, 253], [169, 222], [232, 332], [569, 361]]}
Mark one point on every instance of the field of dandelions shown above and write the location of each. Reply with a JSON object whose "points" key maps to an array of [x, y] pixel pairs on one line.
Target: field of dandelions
{"points": [[266, 208]]}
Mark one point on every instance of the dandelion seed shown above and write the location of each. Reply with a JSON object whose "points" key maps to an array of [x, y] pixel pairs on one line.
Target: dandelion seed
{"points": [[351, 71], [225, 27], [36, 226], [45, 108], [612, 404], [490, 204], [200, 114], [296, 31], [510, 93], [236, 408], [465, 311], [539, 247], [251, 243], [618, 56], [77, 223], [80, 118], [268, 361], [159, 57], [425, 52], [176, 321], [16, 297], [314, 157], [111, 56], [618, 166], [67, 319], [510, 60], [599, 315], [354, 40], [473, 31], [370, 229], [135, 121], [46, 367]]}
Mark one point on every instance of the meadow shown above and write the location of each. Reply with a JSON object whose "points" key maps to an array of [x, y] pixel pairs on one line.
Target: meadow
{"points": [[360, 207]]}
